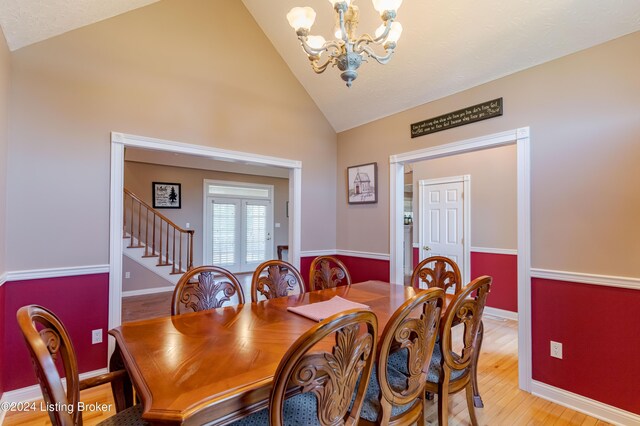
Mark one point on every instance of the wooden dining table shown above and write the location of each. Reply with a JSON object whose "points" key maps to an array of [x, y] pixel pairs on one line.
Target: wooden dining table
{"points": [[218, 365]]}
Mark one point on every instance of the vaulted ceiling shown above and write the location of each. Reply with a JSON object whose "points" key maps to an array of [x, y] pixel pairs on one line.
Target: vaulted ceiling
{"points": [[447, 45]]}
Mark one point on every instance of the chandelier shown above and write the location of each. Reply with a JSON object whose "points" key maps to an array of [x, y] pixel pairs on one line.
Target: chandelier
{"points": [[348, 51]]}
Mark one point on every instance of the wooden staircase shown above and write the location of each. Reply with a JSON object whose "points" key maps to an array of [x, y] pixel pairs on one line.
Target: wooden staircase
{"points": [[157, 236]]}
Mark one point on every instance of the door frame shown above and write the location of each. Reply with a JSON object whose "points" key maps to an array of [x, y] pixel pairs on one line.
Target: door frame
{"points": [[119, 141], [518, 137], [205, 206], [466, 220]]}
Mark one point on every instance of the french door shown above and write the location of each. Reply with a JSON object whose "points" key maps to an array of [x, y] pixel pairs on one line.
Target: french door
{"points": [[238, 232]]}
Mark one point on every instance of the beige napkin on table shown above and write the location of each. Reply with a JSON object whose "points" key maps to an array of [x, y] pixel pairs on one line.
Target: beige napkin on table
{"points": [[321, 310]]}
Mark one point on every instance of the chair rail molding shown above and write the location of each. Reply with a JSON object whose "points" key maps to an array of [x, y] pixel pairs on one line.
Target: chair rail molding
{"points": [[72, 271], [490, 250], [518, 137], [119, 141], [584, 278]]}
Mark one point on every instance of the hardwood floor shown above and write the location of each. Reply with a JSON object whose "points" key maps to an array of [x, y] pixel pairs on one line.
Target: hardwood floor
{"points": [[504, 403]]}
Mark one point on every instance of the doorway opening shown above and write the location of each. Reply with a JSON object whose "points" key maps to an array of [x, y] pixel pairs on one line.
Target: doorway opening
{"points": [[520, 138], [235, 159]]}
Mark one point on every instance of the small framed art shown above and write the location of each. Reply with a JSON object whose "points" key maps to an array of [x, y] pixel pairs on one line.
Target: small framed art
{"points": [[166, 195], [362, 183]]}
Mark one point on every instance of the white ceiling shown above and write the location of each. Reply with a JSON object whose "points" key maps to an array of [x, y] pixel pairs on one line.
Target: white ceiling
{"points": [[447, 45]]}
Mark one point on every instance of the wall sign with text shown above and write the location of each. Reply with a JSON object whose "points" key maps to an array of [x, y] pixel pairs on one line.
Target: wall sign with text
{"points": [[457, 118]]}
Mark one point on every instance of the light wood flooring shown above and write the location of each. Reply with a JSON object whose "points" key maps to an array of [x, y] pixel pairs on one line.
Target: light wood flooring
{"points": [[504, 403]]}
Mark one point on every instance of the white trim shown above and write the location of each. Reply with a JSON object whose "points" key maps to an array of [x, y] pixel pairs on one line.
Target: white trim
{"points": [[363, 254], [501, 313], [33, 393], [416, 245], [118, 143], [584, 405], [582, 278], [72, 271], [315, 253], [519, 137], [146, 291], [491, 250], [3, 278]]}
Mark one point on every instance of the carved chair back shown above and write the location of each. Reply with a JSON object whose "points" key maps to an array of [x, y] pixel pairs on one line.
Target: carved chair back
{"points": [[327, 272], [437, 271], [276, 278], [213, 287], [413, 327], [466, 309], [331, 376], [49, 344]]}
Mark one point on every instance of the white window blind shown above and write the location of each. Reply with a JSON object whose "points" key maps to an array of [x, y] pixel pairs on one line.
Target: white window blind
{"points": [[256, 232], [224, 233], [238, 191]]}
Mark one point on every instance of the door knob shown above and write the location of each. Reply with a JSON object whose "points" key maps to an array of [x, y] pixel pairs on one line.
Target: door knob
{"points": [[268, 236], [426, 248]]}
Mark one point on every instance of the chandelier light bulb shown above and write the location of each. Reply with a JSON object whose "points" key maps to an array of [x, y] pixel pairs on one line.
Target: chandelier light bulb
{"points": [[383, 5], [301, 18], [395, 32], [316, 41]]}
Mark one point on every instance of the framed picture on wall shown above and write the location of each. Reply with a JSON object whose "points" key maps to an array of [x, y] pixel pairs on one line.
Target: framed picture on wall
{"points": [[362, 183], [166, 195]]}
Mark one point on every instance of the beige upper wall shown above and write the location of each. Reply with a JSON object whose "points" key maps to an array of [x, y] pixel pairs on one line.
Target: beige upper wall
{"points": [[4, 136], [493, 193], [161, 71], [584, 116], [138, 178]]}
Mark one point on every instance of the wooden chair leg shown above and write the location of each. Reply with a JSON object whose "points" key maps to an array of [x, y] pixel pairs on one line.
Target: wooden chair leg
{"points": [[443, 399], [477, 399], [470, 406]]}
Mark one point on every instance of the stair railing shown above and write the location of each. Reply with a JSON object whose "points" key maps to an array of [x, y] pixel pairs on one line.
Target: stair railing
{"points": [[147, 228]]}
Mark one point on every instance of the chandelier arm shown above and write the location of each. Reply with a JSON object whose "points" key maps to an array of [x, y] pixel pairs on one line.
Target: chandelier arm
{"points": [[343, 28], [318, 69], [379, 58]]}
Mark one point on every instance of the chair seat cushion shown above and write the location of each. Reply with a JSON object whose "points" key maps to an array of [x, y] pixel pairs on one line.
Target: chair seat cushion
{"points": [[298, 410], [398, 361], [371, 404], [132, 416]]}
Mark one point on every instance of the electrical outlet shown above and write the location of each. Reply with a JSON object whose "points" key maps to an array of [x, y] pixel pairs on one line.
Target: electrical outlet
{"points": [[188, 225], [556, 349], [127, 275], [96, 336]]}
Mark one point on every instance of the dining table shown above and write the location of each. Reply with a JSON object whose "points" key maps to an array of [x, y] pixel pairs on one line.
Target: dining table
{"points": [[217, 366]]}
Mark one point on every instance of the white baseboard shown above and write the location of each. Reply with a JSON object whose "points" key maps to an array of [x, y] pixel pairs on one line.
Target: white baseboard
{"points": [[582, 278], [33, 393], [36, 274], [147, 291], [3, 278], [501, 313], [584, 405]]}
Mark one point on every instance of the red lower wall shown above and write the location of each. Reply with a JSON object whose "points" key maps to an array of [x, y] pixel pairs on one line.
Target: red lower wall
{"points": [[81, 302], [599, 329], [503, 268], [360, 268], [2, 322]]}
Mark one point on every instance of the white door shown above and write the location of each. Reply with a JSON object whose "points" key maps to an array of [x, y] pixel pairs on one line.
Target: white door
{"points": [[443, 220], [238, 231]]}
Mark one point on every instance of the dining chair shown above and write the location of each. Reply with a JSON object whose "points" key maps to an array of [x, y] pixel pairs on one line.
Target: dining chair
{"points": [[213, 287], [50, 346], [396, 397], [329, 385], [275, 278], [327, 272], [437, 271], [451, 368]]}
